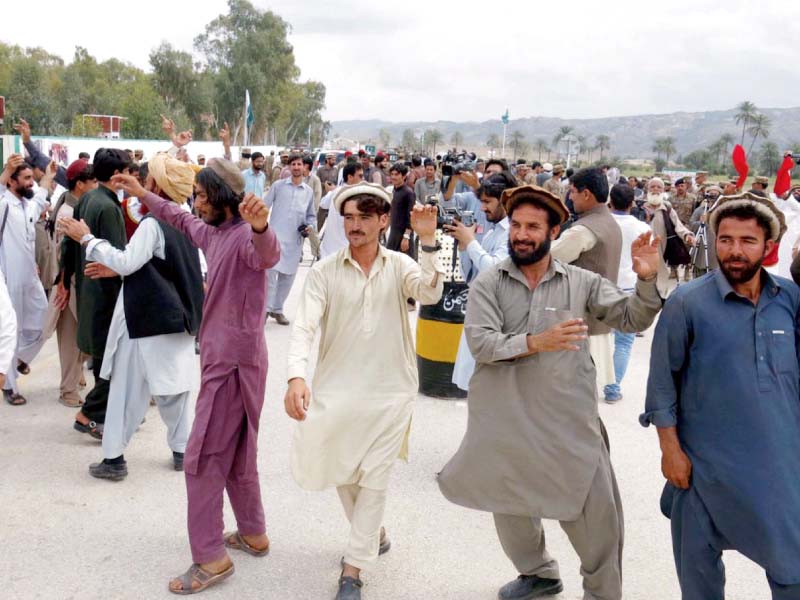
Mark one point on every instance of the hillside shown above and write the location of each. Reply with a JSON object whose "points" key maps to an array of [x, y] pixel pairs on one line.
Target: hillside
{"points": [[631, 137]]}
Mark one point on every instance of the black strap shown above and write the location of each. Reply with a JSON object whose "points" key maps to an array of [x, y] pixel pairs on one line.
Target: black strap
{"points": [[3, 226]]}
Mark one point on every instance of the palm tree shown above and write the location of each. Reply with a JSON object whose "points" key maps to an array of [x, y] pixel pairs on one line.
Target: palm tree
{"points": [[717, 150], [563, 132], [385, 137], [746, 111], [517, 140], [456, 139], [760, 126], [582, 145], [725, 140], [493, 141], [602, 143], [541, 146], [433, 137], [770, 157], [668, 147]]}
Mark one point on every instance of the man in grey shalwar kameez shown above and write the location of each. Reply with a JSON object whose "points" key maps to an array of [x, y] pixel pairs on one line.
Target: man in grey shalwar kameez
{"points": [[535, 447]]}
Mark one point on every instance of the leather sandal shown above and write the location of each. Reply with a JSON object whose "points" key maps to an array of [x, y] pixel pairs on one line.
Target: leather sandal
{"points": [[13, 398], [235, 541], [198, 574]]}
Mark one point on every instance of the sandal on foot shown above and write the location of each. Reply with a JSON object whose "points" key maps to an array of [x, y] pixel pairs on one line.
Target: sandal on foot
{"points": [[70, 401], [236, 542], [201, 576], [23, 368], [13, 398]]}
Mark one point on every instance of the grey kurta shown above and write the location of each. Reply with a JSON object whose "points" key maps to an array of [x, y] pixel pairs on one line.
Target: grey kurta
{"points": [[533, 438]]}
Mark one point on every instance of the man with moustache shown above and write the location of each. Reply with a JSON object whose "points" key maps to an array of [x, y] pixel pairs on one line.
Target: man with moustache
{"points": [[542, 453], [723, 394], [20, 208], [255, 180], [356, 423]]}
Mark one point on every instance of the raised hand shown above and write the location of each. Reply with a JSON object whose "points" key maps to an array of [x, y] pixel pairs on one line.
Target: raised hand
{"points": [[47, 181], [73, 229], [645, 255], [24, 130], [13, 162], [129, 183], [183, 138], [423, 222], [168, 125], [225, 135], [254, 211]]}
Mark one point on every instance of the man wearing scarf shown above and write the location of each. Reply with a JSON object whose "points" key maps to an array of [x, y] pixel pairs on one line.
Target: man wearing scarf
{"points": [[150, 347]]}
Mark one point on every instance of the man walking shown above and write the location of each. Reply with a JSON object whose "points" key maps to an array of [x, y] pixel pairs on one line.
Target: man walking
{"points": [[20, 208], [101, 210], [631, 228], [293, 217], [150, 347], [542, 452], [63, 308], [239, 247], [723, 394], [593, 243], [357, 421]]}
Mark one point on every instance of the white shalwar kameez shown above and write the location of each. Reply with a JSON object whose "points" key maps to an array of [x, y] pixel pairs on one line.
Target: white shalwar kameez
{"points": [[364, 384], [18, 262], [162, 366], [8, 328]]}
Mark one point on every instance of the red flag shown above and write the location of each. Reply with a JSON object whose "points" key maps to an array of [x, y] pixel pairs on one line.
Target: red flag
{"points": [[783, 180], [740, 164]]}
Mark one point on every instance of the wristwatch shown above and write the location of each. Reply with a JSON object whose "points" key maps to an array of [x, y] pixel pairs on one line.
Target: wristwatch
{"points": [[435, 248]]}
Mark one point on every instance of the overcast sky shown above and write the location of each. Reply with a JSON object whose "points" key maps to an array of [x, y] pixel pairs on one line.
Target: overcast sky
{"points": [[428, 61]]}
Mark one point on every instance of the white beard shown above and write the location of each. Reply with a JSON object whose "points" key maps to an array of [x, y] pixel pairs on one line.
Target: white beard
{"points": [[655, 200]]}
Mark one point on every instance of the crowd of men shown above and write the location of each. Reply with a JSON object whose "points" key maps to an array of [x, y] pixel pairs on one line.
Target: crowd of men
{"points": [[137, 265]]}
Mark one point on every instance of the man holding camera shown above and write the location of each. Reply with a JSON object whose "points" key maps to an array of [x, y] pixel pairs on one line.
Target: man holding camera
{"points": [[292, 218], [428, 186], [468, 200], [477, 256]]}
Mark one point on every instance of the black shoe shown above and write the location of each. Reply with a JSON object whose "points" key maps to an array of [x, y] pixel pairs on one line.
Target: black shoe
{"points": [[96, 431], [349, 589], [527, 587], [104, 470], [280, 318], [177, 461]]}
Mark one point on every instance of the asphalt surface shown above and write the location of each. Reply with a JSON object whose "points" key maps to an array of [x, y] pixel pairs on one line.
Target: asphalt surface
{"points": [[66, 535]]}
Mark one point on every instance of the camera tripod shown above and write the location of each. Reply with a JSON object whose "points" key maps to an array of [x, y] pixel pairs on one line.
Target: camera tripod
{"points": [[701, 245]]}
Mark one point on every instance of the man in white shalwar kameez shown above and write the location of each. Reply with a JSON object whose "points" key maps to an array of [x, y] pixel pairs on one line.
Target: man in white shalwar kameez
{"points": [[20, 208], [357, 422], [8, 330], [164, 365]]}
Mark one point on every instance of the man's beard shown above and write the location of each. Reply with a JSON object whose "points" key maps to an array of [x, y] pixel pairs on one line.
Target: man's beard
{"points": [[257, 167], [655, 199], [740, 275], [26, 193], [216, 218], [539, 252]]}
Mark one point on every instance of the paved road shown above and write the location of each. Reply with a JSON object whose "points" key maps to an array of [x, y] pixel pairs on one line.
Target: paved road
{"points": [[67, 535]]}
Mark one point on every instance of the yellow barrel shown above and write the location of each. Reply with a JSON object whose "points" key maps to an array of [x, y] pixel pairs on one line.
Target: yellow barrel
{"points": [[439, 328]]}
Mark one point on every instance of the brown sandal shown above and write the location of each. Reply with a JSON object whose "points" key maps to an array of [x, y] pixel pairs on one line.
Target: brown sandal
{"points": [[201, 576], [236, 542]]}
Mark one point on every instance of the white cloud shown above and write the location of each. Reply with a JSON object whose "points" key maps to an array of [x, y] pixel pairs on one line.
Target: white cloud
{"points": [[469, 60]]}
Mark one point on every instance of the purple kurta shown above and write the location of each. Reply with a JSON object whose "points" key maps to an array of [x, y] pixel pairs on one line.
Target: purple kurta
{"points": [[232, 347]]}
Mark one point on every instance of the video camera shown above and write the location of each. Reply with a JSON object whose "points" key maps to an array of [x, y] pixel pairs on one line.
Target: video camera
{"points": [[448, 216], [795, 157], [457, 162]]}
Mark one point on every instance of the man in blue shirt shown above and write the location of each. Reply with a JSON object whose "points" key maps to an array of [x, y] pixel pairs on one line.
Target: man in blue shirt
{"points": [[255, 180], [724, 393]]}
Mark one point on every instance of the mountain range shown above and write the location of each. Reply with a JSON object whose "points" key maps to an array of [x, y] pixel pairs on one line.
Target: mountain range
{"points": [[630, 137]]}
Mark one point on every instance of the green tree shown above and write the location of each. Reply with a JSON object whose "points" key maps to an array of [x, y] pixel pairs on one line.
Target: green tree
{"points": [[517, 143], [745, 113], [563, 132], [724, 142], [541, 146], [493, 142], [432, 138], [602, 143], [141, 108], [456, 140], [759, 127], [769, 158], [665, 147], [248, 49], [385, 137], [699, 160], [409, 141]]}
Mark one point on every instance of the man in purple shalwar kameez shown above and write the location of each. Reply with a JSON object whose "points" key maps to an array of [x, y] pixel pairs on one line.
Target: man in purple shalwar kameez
{"points": [[221, 454]]}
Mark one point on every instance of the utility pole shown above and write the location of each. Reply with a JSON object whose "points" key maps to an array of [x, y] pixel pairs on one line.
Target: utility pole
{"points": [[504, 119]]}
